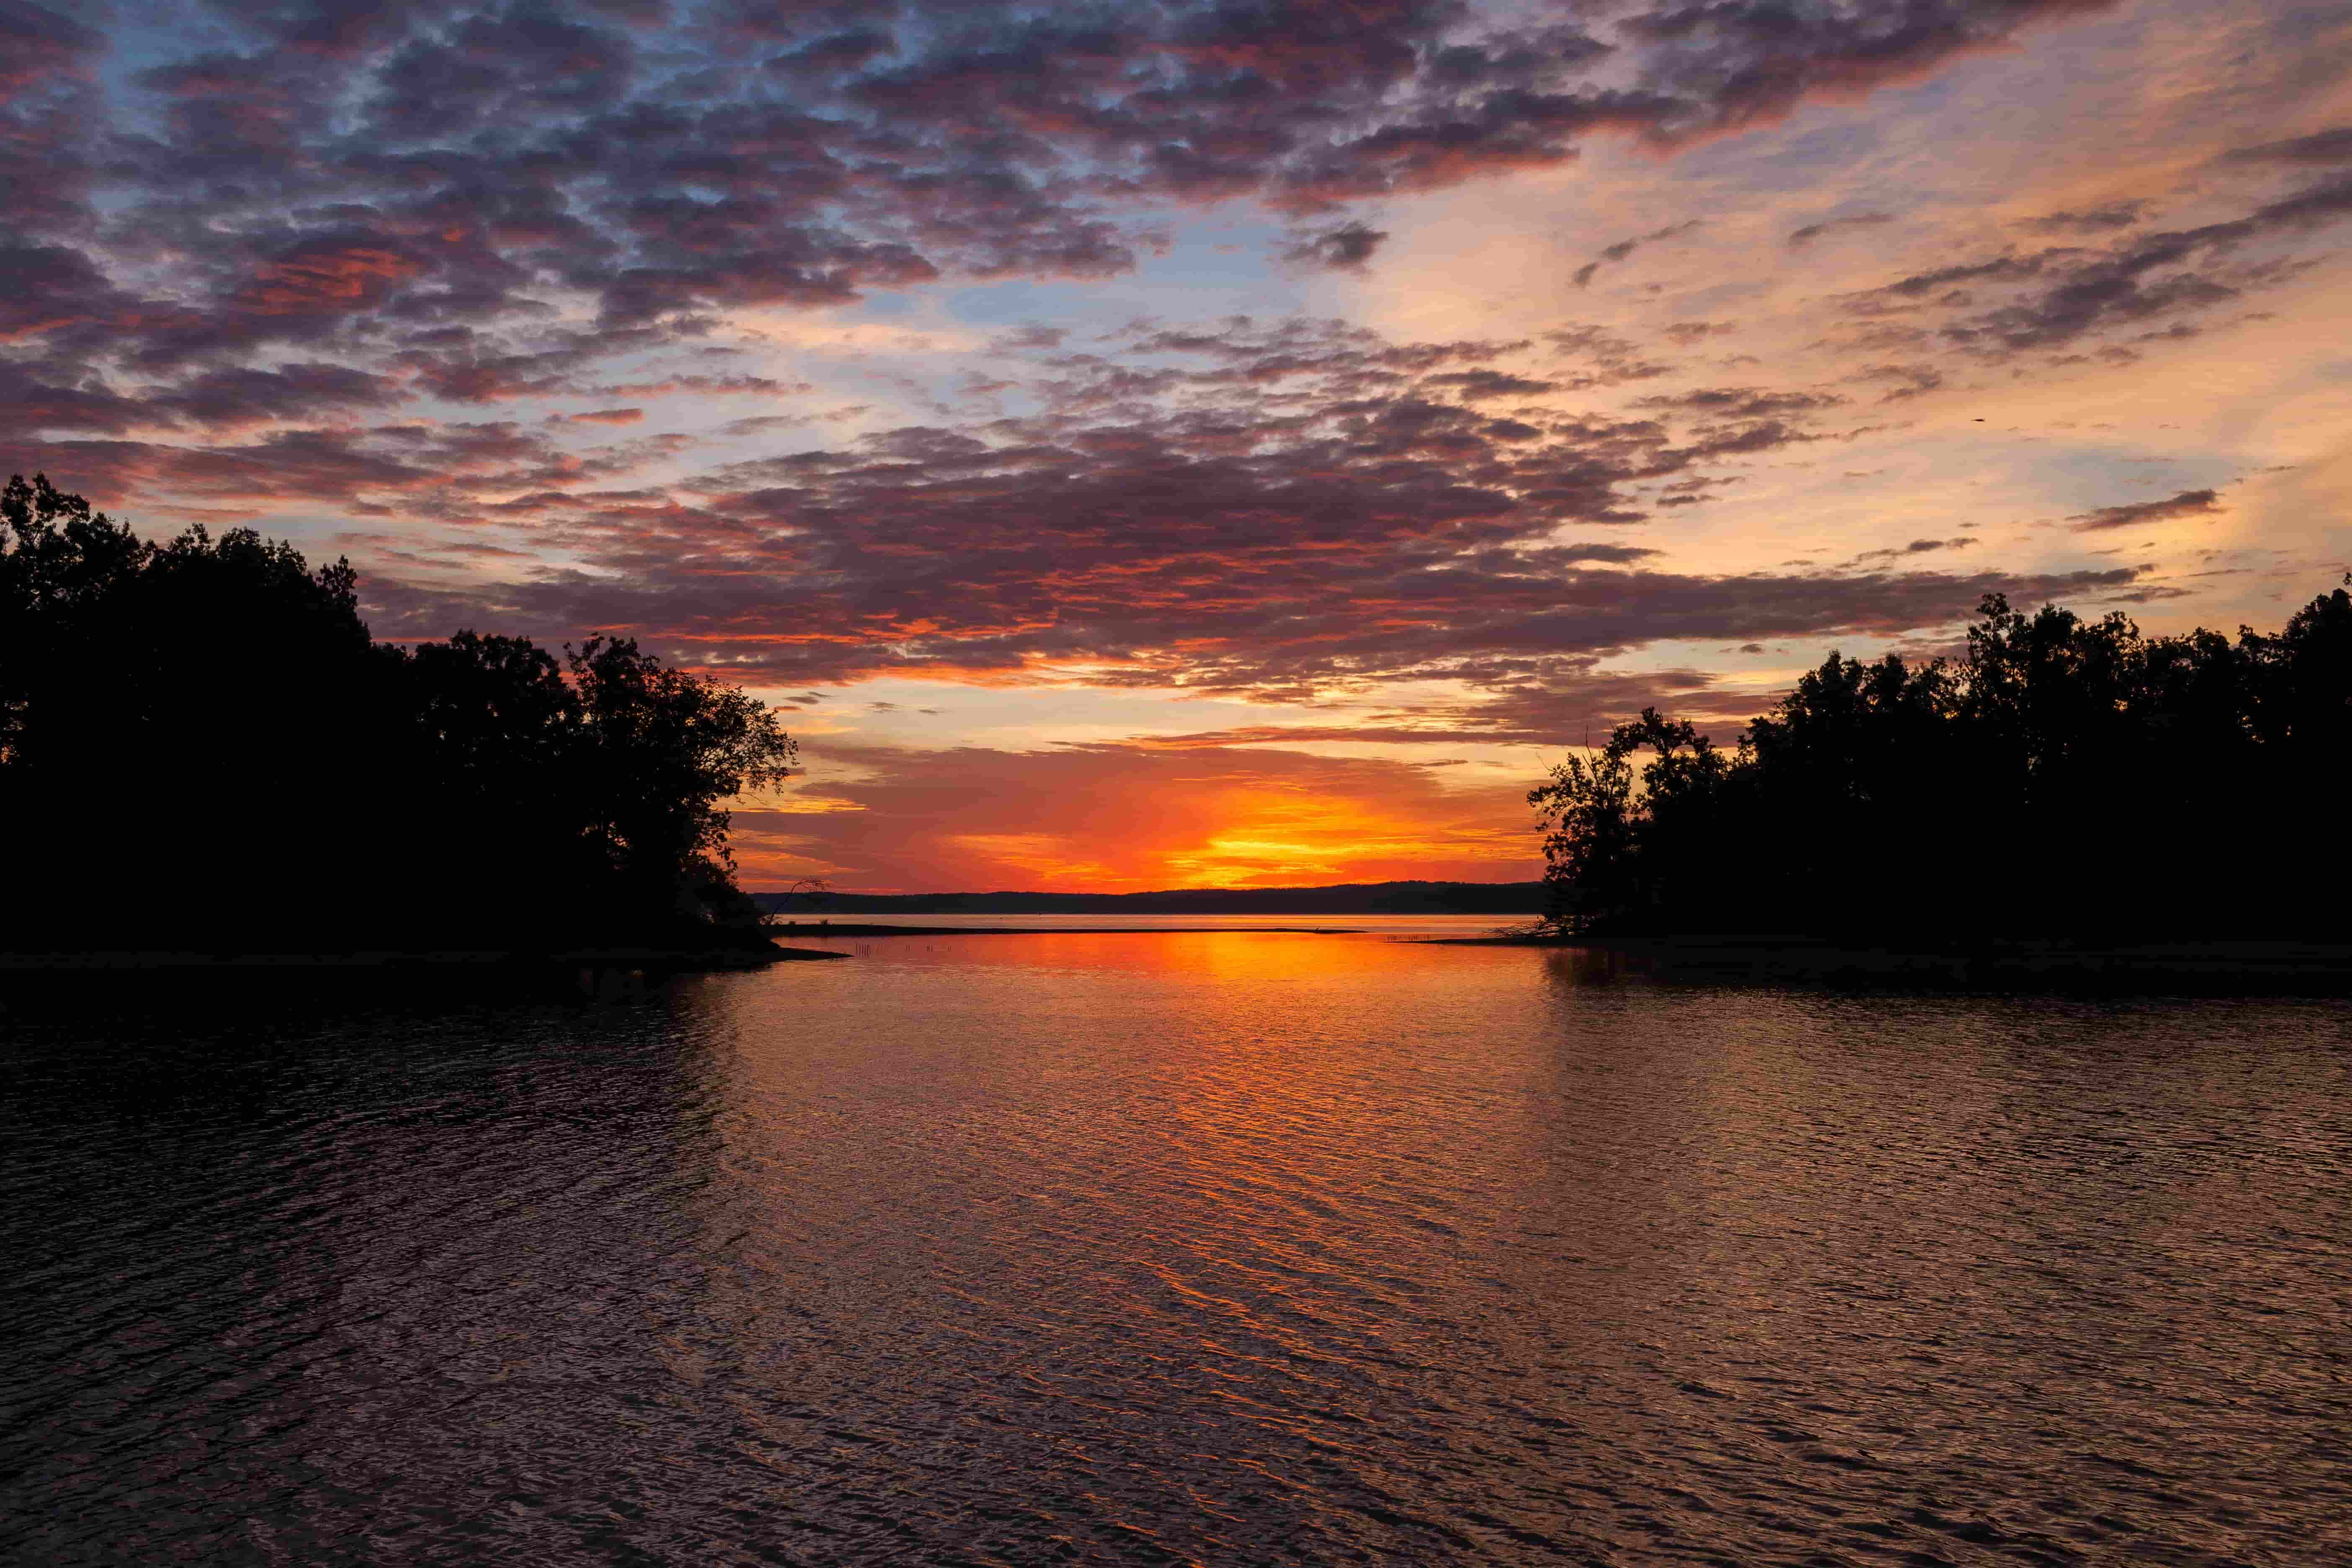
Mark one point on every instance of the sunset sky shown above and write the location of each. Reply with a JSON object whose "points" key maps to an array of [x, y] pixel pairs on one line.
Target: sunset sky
{"points": [[1170, 445]]}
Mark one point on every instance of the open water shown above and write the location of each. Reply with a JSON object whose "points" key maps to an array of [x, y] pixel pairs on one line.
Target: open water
{"points": [[1154, 1248]]}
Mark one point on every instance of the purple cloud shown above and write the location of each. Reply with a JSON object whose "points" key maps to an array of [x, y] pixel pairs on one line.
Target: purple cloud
{"points": [[2188, 503]]}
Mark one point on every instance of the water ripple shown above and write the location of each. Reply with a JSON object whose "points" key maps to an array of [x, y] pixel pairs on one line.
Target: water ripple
{"points": [[1190, 1249]]}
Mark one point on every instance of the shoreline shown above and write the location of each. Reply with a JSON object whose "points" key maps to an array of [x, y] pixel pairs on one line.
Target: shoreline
{"points": [[166, 961], [2286, 966], [2274, 967], [771, 950]]}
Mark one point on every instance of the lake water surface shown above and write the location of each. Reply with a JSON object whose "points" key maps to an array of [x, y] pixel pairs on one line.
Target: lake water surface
{"points": [[1142, 1246]]}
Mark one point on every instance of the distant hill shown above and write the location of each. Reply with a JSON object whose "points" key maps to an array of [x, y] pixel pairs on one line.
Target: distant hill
{"points": [[1347, 898]]}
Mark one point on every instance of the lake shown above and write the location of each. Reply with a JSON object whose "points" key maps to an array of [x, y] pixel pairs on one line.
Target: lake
{"points": [[1141, 1245]]}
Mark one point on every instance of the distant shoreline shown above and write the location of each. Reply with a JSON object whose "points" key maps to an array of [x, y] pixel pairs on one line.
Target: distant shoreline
{"points": [[803, 932], [1343, 899]]}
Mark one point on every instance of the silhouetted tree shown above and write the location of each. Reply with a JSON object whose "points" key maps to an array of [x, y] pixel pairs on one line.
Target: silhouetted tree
{"points": [[1849, 767], [2067, 776], [181, 715], [200, 745], [494, 771], [1615, 853], [1588, 815], [663, 749]]}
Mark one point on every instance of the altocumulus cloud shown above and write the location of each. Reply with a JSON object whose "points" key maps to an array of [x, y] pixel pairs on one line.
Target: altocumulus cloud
{"points": [[348, 257], [420, 186]]}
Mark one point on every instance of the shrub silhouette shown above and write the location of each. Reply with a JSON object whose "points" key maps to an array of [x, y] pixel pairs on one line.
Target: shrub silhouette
{"points": [[201, 746], [2066, 777]]}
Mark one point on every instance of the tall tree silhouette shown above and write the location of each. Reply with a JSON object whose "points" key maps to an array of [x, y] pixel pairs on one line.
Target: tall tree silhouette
{"points": [[200, 745], [2066, 777]]}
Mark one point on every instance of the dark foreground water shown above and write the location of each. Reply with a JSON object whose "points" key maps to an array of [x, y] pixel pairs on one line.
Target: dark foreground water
{"points": [[1227, 1249]]}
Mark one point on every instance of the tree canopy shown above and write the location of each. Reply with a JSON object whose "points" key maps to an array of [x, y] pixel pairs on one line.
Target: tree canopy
{"points": [[2066, 776], [202, 746]]}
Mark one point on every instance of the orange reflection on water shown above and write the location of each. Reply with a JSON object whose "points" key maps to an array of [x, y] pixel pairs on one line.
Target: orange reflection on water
{"points": [[1273, 956], [1249, 1061]]}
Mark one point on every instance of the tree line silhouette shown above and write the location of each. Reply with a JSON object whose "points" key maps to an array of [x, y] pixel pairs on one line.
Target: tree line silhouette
{"points": [[2064, 778], [202, 747]]}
